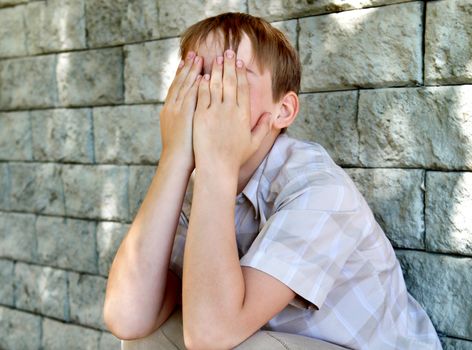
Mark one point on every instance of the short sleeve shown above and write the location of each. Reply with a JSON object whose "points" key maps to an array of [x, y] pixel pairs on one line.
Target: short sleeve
{"points": [[305, 249], [177, 255]]}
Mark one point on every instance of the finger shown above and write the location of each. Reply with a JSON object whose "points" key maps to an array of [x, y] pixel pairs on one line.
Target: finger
{"points": [[180, 76], [190, 79], [204, 92], [216, 82], [243, 87], [190, 100], [229, 77]]}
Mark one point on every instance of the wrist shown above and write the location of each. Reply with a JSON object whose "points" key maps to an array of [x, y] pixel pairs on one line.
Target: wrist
{"points": [[176, 162]]}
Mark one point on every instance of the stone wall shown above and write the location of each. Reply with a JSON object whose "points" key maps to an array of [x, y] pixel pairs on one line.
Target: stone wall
{"points": [[386, 89]]}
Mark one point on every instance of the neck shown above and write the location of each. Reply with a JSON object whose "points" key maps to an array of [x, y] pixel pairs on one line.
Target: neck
{"points": [[247, 169]]}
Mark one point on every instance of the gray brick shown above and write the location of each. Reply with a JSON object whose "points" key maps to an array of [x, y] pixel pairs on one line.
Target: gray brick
{"points": [[282, 9], [416, 127], [109, 237], [145, 80], [109, 341], [62, 135], [12, 32], [55, 25], [37, 187], [396, 199], [15, 136], [19, 330], [59, 336], [289, 28], [442, 285], [98, 191], [104, 21], [6, 3], [87, 296], [91, 77], [173, 22], [4, 186], [28, 82], [448, 208], [66, 243], [361, 48], [140, 22], [41, 289], [330, 120], [127, 134], [6, 287], [17, 236], [140, 178], [448, 41]]}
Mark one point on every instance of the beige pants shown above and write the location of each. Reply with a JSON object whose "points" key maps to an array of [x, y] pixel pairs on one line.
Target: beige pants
{"points": [[170, 337]]}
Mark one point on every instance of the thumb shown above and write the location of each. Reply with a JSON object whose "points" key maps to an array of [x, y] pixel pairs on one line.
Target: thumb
{"points": [[261, 129]]}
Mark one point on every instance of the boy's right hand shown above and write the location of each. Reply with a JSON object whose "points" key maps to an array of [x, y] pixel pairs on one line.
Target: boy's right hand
{"points": [[176, 117]]}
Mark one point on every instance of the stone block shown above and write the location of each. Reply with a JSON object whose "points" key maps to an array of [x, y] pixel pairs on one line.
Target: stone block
{"points": [[104, 22], [127, 134], [448, 209], [455, 344], [17, 236], [66, 243], [59, 336], [109, 341], [41, 289], [448, 42], [150, 69], [6, 3], [92, 77], [37, 187], [361, 48], [98, 191], [330, 120], [4, 186], [442, 285], [289, 28], [63, 135], [12, 32], [140, 21], [109, 237], [6, 287], [28, 82], [176, 16], [140, 179], [55, 25], [87, 296], [15, 136], [396, 199], [283, 9], [416, 127], [19, 330]]}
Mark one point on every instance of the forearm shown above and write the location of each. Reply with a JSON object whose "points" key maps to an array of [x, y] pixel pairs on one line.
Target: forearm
{"points": [[212, 283], [137, 278]]}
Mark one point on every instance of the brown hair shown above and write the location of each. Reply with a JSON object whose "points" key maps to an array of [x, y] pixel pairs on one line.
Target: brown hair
{"points": [[271, 48]]}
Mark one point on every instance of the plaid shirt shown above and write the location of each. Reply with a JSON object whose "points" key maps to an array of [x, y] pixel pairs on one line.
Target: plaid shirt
{"points": [[302, 220]]}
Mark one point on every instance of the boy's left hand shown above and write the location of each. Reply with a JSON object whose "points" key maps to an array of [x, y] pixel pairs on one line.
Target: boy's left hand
{"points": [[222, 133]]}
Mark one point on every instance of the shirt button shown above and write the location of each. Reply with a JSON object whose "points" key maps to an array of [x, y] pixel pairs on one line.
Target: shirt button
{"points": [[239, 198]]}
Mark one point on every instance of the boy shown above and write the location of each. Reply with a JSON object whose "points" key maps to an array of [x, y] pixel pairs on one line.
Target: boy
{"points": [[278, 236]]}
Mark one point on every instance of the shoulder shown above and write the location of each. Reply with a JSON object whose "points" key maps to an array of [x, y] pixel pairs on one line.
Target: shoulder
{"points": [[305, 177]]}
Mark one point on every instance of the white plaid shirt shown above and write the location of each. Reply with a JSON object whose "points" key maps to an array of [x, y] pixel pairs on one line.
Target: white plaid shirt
{"points": [[302, 220]]}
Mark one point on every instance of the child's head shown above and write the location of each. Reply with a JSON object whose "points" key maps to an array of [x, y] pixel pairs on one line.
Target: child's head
{"points": [[273, 64]]}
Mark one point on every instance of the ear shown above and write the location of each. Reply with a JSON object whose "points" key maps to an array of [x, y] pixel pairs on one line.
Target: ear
{"points": [[288, 110]]}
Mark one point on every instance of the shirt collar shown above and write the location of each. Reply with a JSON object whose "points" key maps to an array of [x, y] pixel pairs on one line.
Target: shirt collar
{"points": [[254, 185]]}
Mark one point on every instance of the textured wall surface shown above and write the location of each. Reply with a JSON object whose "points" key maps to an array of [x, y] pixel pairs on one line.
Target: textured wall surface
{"points": [[386, 89]]}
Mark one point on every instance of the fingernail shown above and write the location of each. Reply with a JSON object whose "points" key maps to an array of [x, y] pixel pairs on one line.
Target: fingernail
{"points": [[229, 54], [191, 54], [181, 64], [219, 59], [207, 76], [239, 63]]}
